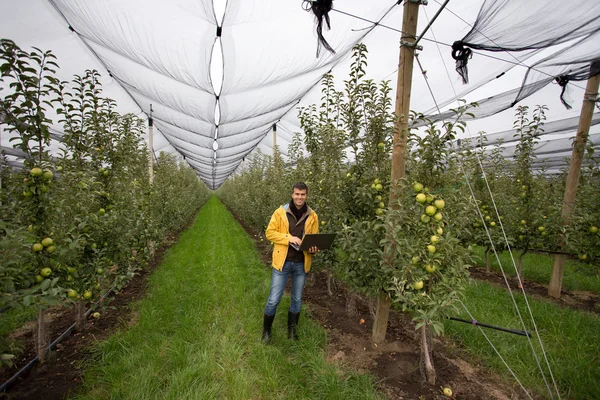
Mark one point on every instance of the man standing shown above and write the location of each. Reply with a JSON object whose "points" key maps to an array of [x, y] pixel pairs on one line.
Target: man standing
{"points": [[288, 225]]}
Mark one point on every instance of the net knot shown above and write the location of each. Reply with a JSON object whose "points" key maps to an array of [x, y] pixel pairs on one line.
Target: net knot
{"points": [[562, 81], [461, 54], [321, 10]]}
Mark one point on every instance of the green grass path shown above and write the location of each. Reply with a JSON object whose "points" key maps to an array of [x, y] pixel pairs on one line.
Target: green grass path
{"points": [[198, 330]]}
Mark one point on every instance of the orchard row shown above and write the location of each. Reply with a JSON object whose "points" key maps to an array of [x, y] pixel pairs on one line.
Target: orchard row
{"points": [[415, 250], [75, 225]]}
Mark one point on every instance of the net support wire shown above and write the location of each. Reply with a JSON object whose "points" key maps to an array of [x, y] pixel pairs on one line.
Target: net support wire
{"points": [[498, 259], [489, 236], [434, 40]]}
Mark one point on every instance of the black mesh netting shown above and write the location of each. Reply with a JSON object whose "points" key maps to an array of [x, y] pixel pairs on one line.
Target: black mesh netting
{"points": [[517, 25]]}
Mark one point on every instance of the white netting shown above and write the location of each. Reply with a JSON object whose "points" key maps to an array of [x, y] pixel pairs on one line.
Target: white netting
{"points": [[160, 53]]}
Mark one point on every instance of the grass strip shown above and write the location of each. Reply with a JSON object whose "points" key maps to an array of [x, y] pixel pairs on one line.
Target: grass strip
{"points": [[14, 318], [537, 268], [10, 321], [197, 334], [570, 339]]}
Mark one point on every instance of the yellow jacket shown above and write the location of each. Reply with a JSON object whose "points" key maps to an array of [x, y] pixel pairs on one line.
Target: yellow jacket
{"points": [[278, 232]]}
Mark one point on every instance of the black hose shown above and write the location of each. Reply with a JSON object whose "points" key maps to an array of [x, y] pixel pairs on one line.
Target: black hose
{"points": [[498, 328]]}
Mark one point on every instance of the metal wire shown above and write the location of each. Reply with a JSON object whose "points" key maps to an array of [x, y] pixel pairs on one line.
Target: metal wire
{"points": [[498, 258]]}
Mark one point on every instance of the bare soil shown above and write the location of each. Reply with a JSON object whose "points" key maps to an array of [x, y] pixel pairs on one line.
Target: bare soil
{"points": [[396, 362]]}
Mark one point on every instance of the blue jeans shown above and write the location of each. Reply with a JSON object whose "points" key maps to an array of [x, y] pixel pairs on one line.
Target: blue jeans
{"points": [[278, 281]]}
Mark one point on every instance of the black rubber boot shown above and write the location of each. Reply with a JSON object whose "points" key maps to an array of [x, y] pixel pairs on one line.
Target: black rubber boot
{"points": [[267, 324], [292, 324]]}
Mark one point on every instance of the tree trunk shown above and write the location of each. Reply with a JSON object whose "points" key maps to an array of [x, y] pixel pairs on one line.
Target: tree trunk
{"points": [[80, 319], [426, 356], [372, 307], [41, 340], [351, 304], [486, 259], [329, 284], [381, 318]]}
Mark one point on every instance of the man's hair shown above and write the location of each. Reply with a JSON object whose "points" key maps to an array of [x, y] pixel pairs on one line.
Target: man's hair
{"points": [[300, 186]]}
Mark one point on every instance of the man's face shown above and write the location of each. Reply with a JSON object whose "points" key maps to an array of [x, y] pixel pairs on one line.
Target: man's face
{"points": [[299, 197]]}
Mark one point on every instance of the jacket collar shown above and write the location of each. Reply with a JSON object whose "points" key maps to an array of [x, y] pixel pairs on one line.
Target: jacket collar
{"points": [[286, 208]]}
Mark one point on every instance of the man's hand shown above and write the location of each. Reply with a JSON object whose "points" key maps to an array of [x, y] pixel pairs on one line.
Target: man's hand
{"points": [[295, 240], [313, 250]]}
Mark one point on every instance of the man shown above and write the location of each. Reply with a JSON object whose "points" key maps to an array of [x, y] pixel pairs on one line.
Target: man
{"points": [[288, 225]]}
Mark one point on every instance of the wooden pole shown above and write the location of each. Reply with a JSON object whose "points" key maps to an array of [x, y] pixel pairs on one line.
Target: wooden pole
{"points": [[404, 85], [150, 147], [585, 120]]}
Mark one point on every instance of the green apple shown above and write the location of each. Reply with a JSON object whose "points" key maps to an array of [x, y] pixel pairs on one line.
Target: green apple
{"points": [[36, 172]]}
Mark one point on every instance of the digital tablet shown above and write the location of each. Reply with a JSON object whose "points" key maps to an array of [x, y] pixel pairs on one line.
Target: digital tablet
{"points": [[322, 241]]}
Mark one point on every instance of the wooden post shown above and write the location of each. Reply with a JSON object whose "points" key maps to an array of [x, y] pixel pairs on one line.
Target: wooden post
{"points": [[150, 147], [404, 85], [1, 157], [585, 120]]}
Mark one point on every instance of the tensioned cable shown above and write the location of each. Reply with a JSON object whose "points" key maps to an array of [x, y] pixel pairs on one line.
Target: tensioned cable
{"points": [[512, 258], [506, 239], [481, 216], [496, 350], [473, 197], [506, 51], [449, 45]]}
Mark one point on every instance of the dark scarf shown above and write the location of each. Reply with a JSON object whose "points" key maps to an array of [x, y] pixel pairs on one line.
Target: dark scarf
{"points": [[297, 212]]}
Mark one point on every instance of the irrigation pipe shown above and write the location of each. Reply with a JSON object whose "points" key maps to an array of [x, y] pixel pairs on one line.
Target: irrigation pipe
{"points": [[6, 385], [498, 328]]}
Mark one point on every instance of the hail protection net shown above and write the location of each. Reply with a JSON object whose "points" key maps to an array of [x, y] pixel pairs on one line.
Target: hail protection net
{"points": [[217, 85], [515, 25], [161, 52]]}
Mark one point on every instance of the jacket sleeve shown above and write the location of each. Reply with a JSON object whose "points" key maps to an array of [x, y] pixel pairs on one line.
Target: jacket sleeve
{"points": [[273, 231]]}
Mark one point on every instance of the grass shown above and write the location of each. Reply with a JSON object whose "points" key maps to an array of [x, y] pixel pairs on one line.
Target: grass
{"points": [[14, 318], [538, 267], [11, 320], [570, 339], [198, 331]]}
